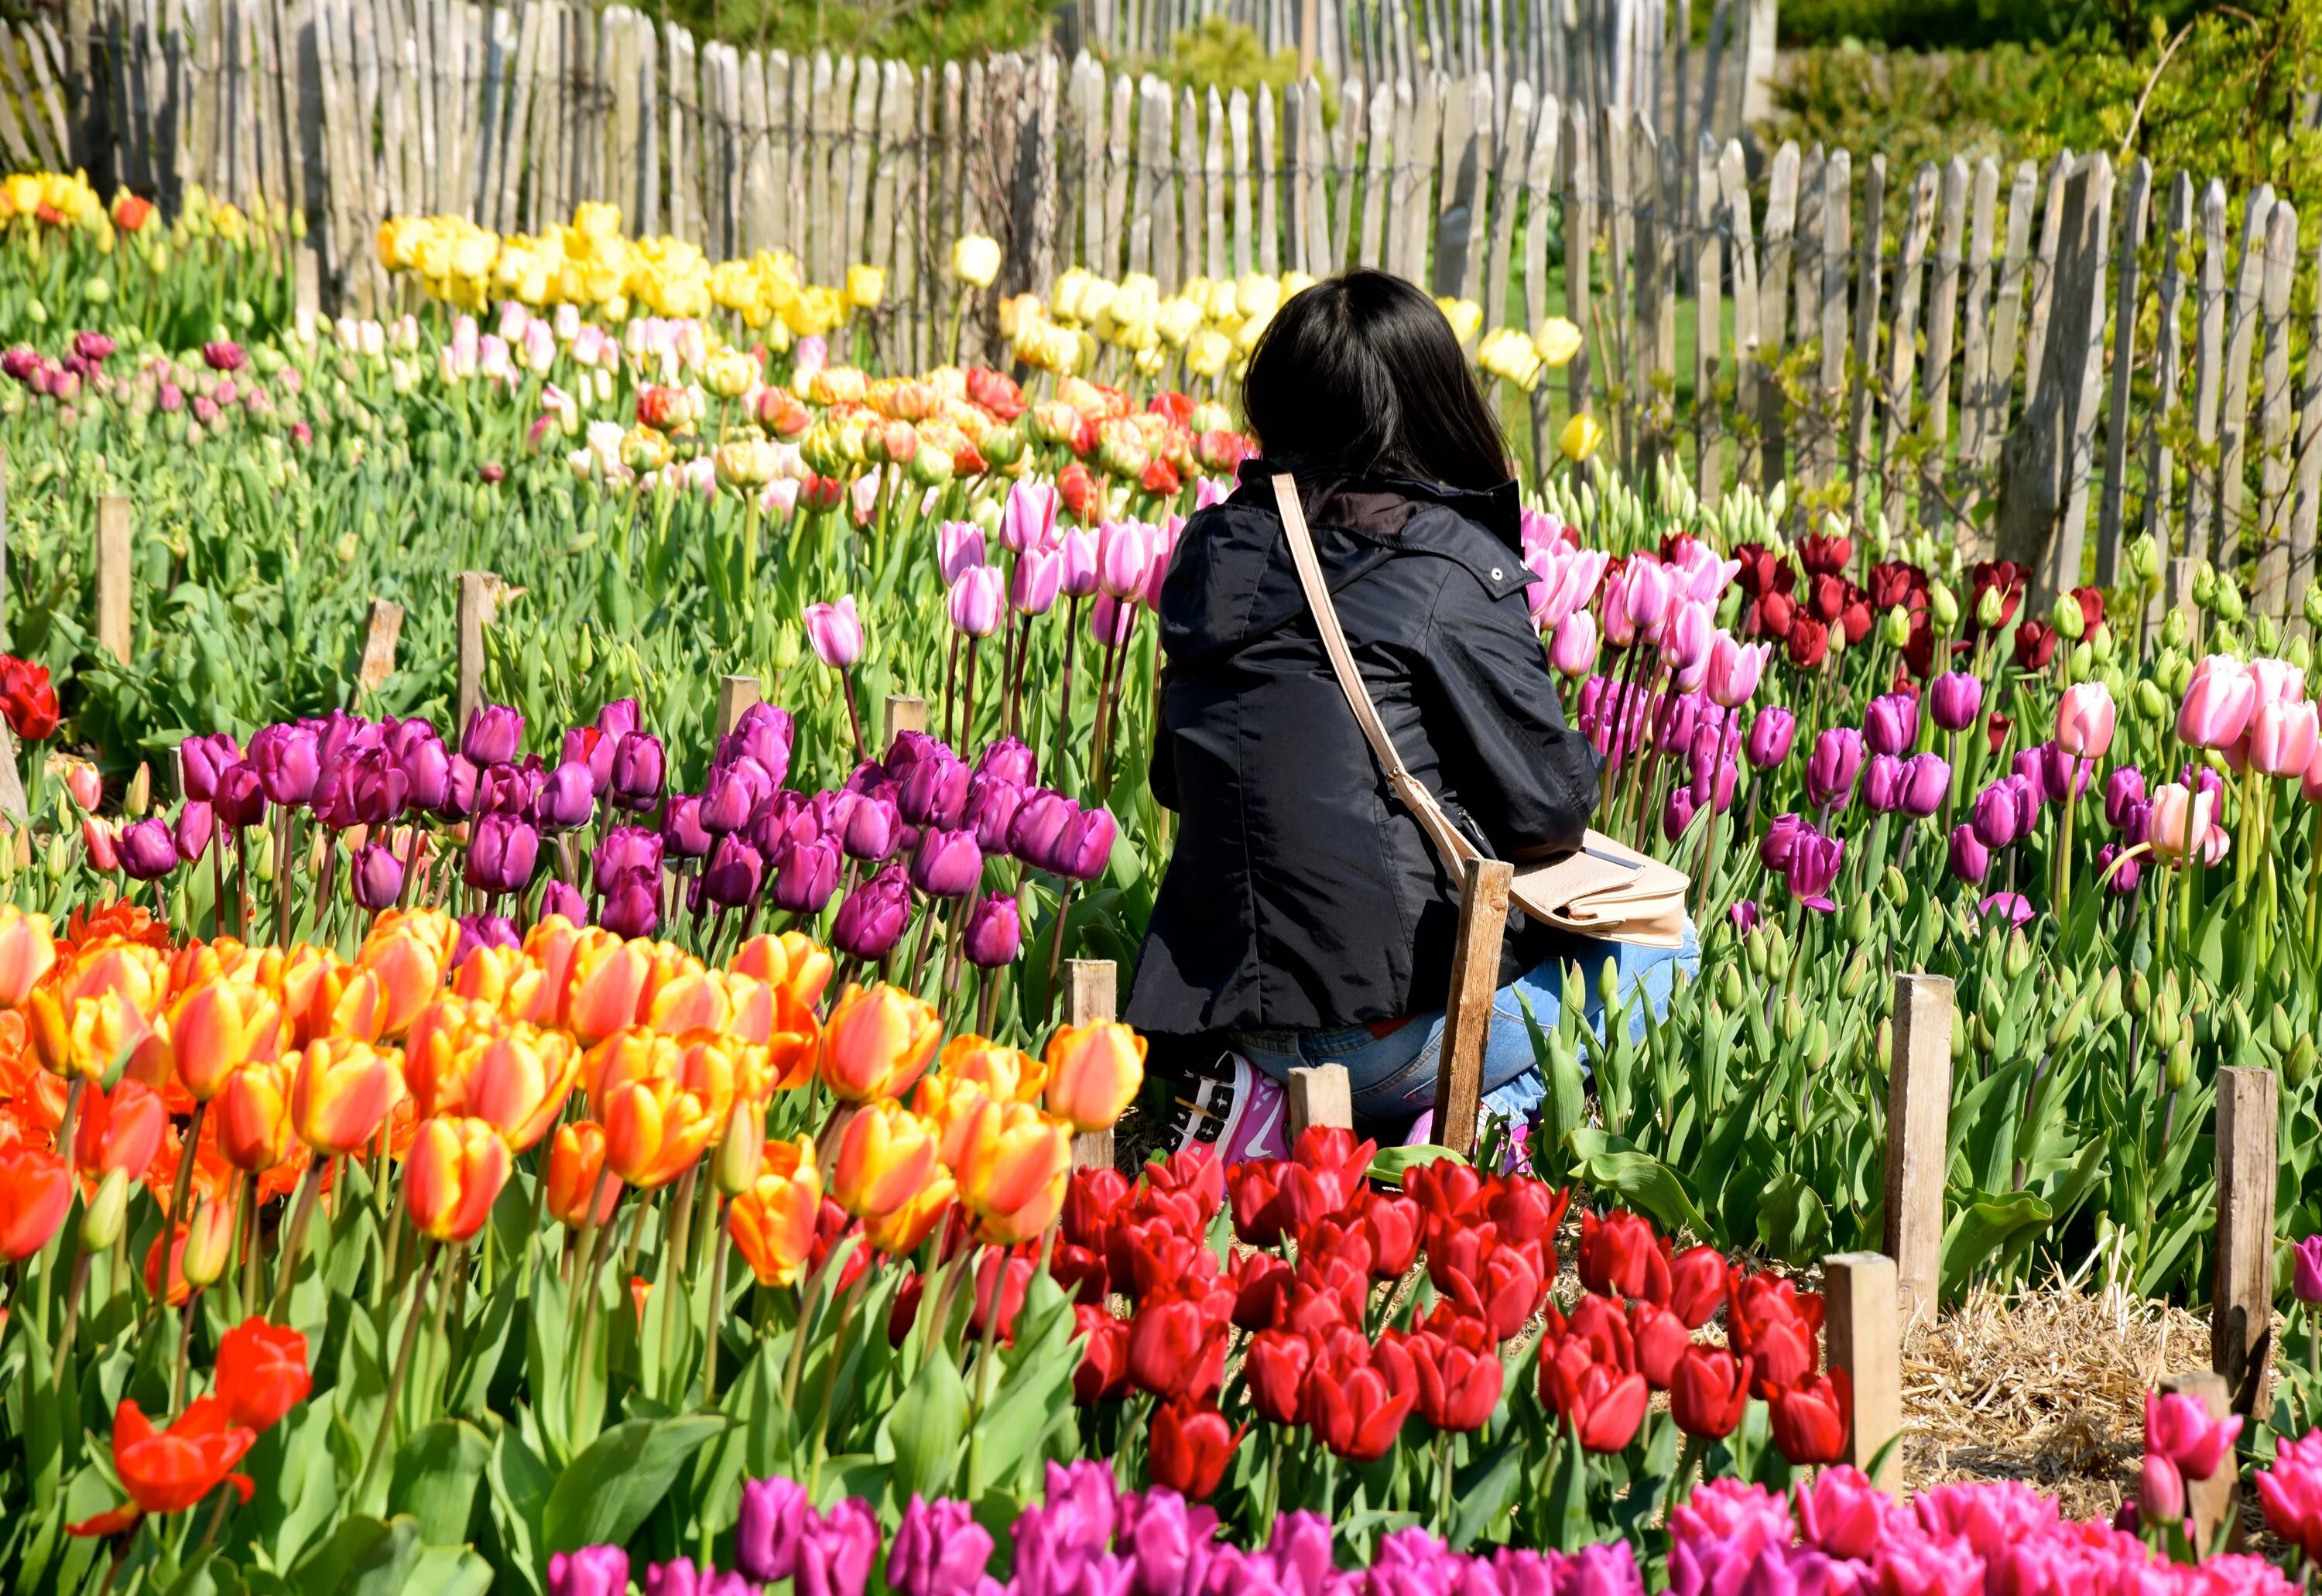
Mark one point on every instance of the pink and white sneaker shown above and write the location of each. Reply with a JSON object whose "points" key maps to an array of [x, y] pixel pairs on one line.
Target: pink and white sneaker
{"points": [[1237, 1110]]}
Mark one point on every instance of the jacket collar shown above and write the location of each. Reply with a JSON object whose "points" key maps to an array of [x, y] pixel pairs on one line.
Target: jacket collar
{"points": [[1495, 509]]}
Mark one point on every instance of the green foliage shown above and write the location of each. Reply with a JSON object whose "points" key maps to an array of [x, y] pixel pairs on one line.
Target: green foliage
{"points": [[1226, 55], [915, 30]]}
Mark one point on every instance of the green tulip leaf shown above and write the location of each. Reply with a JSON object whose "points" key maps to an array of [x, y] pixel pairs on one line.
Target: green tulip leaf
{"points": [[607, 1492]]}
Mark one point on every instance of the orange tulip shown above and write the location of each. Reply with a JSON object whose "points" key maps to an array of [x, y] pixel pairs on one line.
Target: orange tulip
{"points": [[252, 1116], [342, 1093], [793, 962], [552, 947], [1012, 1166], [505, 980], [773, 1222], [119, 1130], [214, 1029], [453, 1175], [1093, 1073], [85, 1015], [654, 1131], [903, 1230], [35, 1192], [443, 1036], [408, 951], [518, 1081], [878, 1042], [633, 1055], [608, 990], [714, 1071], [696, 1000], [323, 995], [948, 1102], [26, 952], [1004, 1073], [886, 1155], [576, 1157]]}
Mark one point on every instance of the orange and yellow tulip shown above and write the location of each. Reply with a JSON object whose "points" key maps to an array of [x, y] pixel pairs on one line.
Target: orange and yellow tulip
{"points": [[216, 1028], [609, 986], [633, 1055], [1004, 1073], [1012, 1166], [576, 1158], [441, 1036], [453, 1175], [793, 962], [948, 1102], [774, 1221], [903, 1230], [1093, 1073], [342, 1093], [518, 1081], [35, 1193], [85, 1015], [252, 1116], [506, 980], [407, 950], [879, 1041], [654, 1131], [886, 1155], [26, 952]]}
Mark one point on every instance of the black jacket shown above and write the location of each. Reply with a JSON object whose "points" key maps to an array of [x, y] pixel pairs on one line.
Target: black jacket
{"points": [[1302, 894]]}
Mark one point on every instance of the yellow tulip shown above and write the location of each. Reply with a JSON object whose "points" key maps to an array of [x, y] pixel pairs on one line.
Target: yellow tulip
{"points": [[1579, 438], [975, 259], [1557, 342]]}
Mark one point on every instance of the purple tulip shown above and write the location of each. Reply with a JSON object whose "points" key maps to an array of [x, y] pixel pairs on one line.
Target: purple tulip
{"points": [[638, 770], [2124, 789], [939, 1550], [681, 829], [806, 875], [339, 736], [561, 897], [1831, 769], [1008, 759], [680, 1577], [493, 734], [773, 1516], [995, 932], [1892, 723], [509, 790], [373, 787], [871, 919], [2013, 906], [589, 747], [1039, 828], [731, 795], [2135, 821], [1113, 621], [1677, 812], [566, 800], [632, 906], [626, 848], [619, 718], [1673, 726], [484, 931], [240, 799], [1882, 783], [201, 760], [2027, 764], [2062, 776], [426, 763], [766, 734], [873, 829], [1993, 815], [1954, 700], [1813, 866], [196, 823], [992, 805], [935, 791], [502, 851], [1744, 915], [1771, 731], [831, 809], [460, 780], [592, 1571], [378, 877], [947, 863], [2123, 881], [1971, 859], [1087, 844], [836, 1550], [1926, 783], [2024, 791], [1774, 848], [148, 850], [2305, 1284], [285, 761]]}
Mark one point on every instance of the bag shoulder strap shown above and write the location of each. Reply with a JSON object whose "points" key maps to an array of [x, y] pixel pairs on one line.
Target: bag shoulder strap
{"points": [[1407, 787]]}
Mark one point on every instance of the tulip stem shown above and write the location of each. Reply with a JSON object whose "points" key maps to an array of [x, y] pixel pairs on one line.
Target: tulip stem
{"points": [[1064, 692], [670, 1276], [252, 1245], [983, 1360], [1056, 946], [718, 1250], [72, 1317], [295, 1240], [830, 1386], [184, 1341], [402, 1368]]}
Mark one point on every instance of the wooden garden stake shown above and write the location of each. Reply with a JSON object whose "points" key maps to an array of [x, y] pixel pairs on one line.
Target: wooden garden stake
{"points": [[1468, 1014], [12, 807], [1089, 985], [1861, 1301], [735, 694], [2209, 1503], [907, 711], [1321, 1094], [478, 594], [112, 556], [380, 634], [1918, 1122], [2241, 1311]]}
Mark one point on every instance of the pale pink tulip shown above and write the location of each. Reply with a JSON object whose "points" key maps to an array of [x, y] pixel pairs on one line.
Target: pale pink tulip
{"points": [[2282, 738], [2085, 720], [2218, 702]]}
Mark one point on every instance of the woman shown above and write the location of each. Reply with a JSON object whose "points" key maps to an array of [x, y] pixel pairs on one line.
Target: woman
{"points": [[1305, 915]]}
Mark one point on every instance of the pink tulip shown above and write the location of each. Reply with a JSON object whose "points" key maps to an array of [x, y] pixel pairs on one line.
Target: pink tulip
{"points": [[1033, 587], [1735, 668], [1573, 650], [2283, 737], [2310, 786], [1646, 593], [976, 601], [1163, 550], [1568, 580], [835, 632], [103, 841], [2218, 703], [2278, 682], [1124, 556], [2180, 824], [2085, 719], [959, 545], [1690, 629], [1030, 519], [1078, 577], [85, 786], [2179, 1428]]}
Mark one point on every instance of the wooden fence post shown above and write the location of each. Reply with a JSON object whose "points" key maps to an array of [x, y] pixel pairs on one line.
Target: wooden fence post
{"points": [[2241, 1297], [1467, 1012], [381, 633], [112, 562], [1860, 1301], [2212, 1501], [1321, 1094], [475, 614], [1089, 985], [1918, 1122], [905, 712], [12, 807], [735, 694]]}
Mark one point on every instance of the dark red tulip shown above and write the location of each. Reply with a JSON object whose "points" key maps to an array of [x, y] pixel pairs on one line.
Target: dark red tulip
{"points": [[1092, 1204], [1262, 1284], [1708, 1391], [1103, 1375], [1176, 1349], [1810, 1418], [1661, 1338], [1254, 1185], [1697, 1281], [1277, 1365], [1188, 1448]]}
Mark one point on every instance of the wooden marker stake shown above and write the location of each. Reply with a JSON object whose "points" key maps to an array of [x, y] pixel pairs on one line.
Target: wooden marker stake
{"points": [[2241, 1297], [307, 292], [113, 558], [1861, 1304], [12, 807], [906, 712], [478, 590], [1918, 1126], [1467, 1016], [1089, 985], [2210, 1502], [1321, 1094], [735, 694], [380, 634]]}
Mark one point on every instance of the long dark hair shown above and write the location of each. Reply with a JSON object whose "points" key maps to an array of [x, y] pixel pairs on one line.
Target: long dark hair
{"points": [[1361, 375]]}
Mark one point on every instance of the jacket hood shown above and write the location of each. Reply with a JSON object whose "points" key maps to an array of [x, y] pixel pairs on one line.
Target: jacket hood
{"points": [[1232, 580]]}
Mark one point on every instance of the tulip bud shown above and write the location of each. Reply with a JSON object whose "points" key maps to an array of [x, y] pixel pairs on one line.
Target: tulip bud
{"points": [[1989, 608], [1794, 1018], [2109, 997], [741, 1151], [1858, 922], [2143, 557], [2312, 602], [2299, 1065], [101, 1223], [1754, 954], [2019, 955], [2297, 652], [209, 1241], [2140, 994], [2180, 1064], [1730, 992], [1894, 626], [140, 796], [2278, 1030], [1897, 890], [1608, 985], [2204, 584], [2065, 616], [1778, 953], [1817, 1049]]}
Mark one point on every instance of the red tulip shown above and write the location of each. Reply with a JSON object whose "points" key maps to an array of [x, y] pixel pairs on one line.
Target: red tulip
{"points": [[1604, 1405], [1254, 1186], [35, 1190], [1698, 1284], [168, 1471], [1810, 1418], [1708, 1391], [1277, 1365], [119, 1130], [1092, 1205], [261, 1372], [1524, 1209], [1188, 1448], [1082, 1271], [1661, 1339], [1193, 1171], [1177, 1349], [1391, 1226], [1354, 1410], [1153, 1256], [1598, 1324], [1262, 1284], [1620, 1255], [1103, 1375], [1459, 1380]]}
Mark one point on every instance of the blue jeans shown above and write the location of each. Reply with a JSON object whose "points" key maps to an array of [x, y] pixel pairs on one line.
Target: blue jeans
{"points": [[1393, 1076]]}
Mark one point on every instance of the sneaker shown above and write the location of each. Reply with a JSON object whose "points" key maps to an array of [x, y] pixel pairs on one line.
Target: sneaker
{"points": [[1236, 1109]]}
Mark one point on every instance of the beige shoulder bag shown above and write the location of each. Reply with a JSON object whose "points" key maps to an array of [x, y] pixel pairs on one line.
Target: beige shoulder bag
{"points": [[1601, 889]]}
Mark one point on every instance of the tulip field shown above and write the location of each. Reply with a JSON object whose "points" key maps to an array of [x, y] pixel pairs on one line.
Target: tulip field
{"points": [[622, 1136]]}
